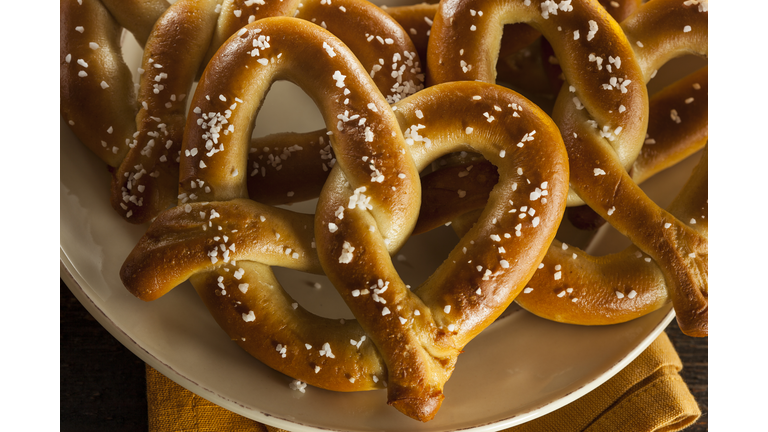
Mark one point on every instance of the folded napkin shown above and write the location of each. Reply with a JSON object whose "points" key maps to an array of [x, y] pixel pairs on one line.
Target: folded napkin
{"points": [[648, 395]]}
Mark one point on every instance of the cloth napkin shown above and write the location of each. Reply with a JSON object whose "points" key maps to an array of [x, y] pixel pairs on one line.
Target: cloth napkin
{"points": [[648, 395]]}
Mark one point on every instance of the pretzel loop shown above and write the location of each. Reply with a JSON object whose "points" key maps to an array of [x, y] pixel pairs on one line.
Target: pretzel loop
{"points": [[464, 45]]}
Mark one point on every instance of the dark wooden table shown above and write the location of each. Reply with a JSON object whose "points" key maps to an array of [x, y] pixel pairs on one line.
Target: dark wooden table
{"points": [[103, 385]]}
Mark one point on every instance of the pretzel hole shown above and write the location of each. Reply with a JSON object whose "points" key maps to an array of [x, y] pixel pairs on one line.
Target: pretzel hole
{"points": [[674, 70], [132, 54], [523, 71], [287, 108]]}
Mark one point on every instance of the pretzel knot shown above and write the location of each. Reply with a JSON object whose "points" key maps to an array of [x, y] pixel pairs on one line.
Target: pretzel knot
{"points": [[142, 137], [224, 243], [601, 133]]}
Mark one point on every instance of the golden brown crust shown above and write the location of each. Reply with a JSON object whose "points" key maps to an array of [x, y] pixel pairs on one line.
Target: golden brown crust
{"points": [[465, 46], [601, 179], [598, 167], [662, 30], [667, 141], [137, 16], [619, 10], [366, 210], [417, 21], [97, 95], [187, 34]]}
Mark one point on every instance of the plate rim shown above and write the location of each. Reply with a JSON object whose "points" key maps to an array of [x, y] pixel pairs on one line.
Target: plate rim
{"points": [[75, 282]]}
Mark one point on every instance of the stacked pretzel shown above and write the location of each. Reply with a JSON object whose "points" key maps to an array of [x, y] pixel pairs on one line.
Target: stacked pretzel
{"points": [[602, 116], [365, 168], [141, 138], [601, 113]]}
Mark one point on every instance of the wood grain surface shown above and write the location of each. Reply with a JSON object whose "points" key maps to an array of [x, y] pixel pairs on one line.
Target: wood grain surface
{"points": [[103, 386]]}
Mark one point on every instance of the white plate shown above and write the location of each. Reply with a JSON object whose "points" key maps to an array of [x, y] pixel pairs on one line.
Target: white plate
{"points": [[518, 369]]}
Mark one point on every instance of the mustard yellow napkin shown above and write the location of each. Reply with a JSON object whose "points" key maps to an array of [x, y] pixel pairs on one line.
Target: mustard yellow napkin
{"points": [[648, 395]]}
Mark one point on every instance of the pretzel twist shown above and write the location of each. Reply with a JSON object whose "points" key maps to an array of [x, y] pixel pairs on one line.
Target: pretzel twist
{"points": [[185, 37], [365, 212]]}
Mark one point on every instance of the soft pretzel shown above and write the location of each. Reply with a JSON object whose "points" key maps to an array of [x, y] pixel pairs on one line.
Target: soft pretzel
{"points": [[225, 243], [679, 250], [188, 33], [598, 175], [594, 290], [521, 62], [464, 46], [371, 28]]}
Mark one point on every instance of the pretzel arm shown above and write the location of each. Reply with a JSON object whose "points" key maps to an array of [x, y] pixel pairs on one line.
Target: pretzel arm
{"points": [[619, 10], [236, 14], [381, 45], [417, 21], [268, 324], [662, 30], [637, 217], [97, 95], [574, 287], [186, 240], [668, 144]]}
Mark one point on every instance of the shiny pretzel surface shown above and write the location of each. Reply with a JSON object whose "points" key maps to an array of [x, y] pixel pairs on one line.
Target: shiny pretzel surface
{"points": [[584, 289], [225, 243], [141, 137], [601, 154]]}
